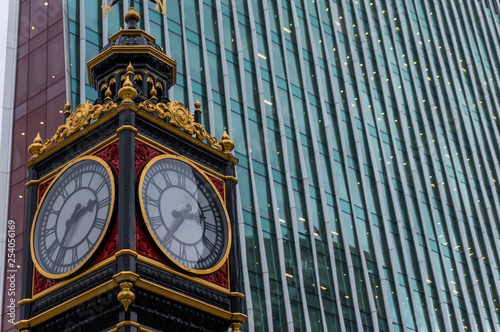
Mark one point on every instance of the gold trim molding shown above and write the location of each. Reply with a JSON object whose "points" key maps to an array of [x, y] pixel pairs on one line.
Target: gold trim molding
{"points": [[126, 127], [78, 119], [163, 249], [77, 300], [132, 32], [89, 255], [132, 49], [130, 323], [166, 150], [192, 302], [92, 269], [180, 117], [130, 277]]}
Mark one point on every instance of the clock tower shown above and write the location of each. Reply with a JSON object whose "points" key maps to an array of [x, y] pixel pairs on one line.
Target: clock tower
{"points": [[131, 216]]}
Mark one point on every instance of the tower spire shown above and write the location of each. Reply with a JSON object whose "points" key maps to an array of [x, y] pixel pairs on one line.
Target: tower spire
{"points": [[154, 72]]}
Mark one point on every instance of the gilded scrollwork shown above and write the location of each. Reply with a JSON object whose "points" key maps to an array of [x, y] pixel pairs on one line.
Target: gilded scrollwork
{"points": [[78, 119], [180, 117]]}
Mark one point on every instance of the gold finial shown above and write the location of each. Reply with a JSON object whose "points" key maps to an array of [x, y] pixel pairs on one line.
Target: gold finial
{"points": [[126, 296], [108, 94], [130, 68], [67, 108], [197, 111], [153, 93], [235, 326], [226, 143], [34, 148], [132, 14], [128, 92]]}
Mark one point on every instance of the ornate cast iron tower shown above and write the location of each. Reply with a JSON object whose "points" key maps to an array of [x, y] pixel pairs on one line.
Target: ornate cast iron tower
{"points": [[131, 219]]}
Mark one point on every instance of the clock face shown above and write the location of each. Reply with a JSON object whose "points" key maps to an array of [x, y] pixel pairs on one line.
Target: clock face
{"points": [[185, 214], [73, 217]]}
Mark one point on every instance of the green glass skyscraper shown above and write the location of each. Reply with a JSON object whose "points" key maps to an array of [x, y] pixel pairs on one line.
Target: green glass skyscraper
{"points": [[367, 133]]}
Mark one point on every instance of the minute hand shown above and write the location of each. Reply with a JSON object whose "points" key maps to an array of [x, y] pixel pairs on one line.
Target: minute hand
{"points": [[177, 223], [77, 214], [179, 217]]}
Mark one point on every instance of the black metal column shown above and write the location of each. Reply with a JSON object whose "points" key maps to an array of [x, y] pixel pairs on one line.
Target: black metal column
{"points": [[27, 268]]}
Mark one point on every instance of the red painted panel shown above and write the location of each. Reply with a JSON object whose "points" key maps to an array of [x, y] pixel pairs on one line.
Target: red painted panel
{"points": [[219, 277], [143, 154], [219, 185], [110, 154], [143, 245], [111, 245]]}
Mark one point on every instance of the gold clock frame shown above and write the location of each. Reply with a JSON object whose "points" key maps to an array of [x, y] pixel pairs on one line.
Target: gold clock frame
{"points": [[151, 232], [103, 233]]}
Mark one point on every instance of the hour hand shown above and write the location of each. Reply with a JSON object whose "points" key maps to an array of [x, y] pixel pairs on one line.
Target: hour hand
{"points": [[199, 216], [179, 216], [90, 205], [74, 215]]}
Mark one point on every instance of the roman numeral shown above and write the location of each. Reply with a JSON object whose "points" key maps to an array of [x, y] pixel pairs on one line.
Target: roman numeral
{"points": [[47, 231], [154, 202], [52, 248], [64, 193], [211, 227], [74, 254], [198, 254], [78, 181], [182, 180], [52, 211], [168, 182], [102, 203], [167, 240], [157, 187], [183, 253], [100, 223], [206, 208], [100, 187], [91, 178], [60, 256], [156, 222], [208, 244]]}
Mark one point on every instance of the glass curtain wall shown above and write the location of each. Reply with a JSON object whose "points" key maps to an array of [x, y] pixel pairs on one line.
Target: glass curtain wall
{"points": [[368, 140]]}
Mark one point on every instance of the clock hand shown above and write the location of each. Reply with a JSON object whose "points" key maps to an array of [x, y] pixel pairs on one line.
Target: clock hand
{"points": [[70, 222], [179, 217], [76, 215], [200, 217], [79, 211]]}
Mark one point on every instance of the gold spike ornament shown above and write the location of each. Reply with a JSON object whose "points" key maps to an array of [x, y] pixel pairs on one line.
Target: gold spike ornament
{"points": [[34, 148], [132, 14], [235, 326], [128, 93], [126, 296], [226, 143], [67, 108]]}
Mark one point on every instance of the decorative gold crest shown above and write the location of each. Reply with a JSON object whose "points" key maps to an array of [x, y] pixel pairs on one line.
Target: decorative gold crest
{"points": [[180, 117], [78, 119]]}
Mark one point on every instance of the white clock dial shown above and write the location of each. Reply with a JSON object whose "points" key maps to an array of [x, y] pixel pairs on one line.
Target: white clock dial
{"points": [[185, 214], [73, 217]]}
